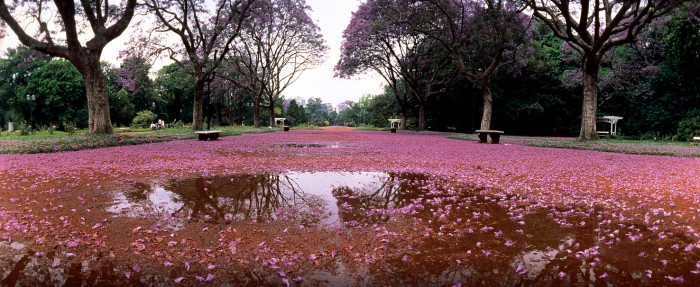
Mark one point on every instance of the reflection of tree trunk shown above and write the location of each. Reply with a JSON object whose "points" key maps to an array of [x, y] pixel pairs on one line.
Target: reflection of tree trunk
{"points": [[198, 203], [11, 279]]}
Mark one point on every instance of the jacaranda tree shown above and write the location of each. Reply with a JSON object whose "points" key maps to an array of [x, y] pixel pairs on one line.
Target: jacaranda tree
{"points": [[380, 37], [480, 36], [277, 44], [377, 39], [204, 34], [593, 28], [58, 29]]}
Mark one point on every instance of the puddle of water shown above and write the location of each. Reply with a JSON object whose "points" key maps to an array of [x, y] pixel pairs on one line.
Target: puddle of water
{"points": [[327, 198], [405, 230], [30, 268], [310, 145]]}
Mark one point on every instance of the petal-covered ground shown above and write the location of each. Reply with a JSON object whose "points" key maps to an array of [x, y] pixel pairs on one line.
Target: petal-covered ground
{"points": [[442, 212]]}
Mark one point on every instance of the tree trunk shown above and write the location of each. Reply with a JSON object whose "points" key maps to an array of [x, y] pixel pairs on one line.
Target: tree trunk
{"points": [[256, 112], [404, 119], [421, 116], [271, 109], [197, 106], [590, 99], [488, 107], [97, 99]]}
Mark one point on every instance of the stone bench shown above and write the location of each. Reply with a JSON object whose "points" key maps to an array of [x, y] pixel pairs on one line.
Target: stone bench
{"points": [[208, 135], [695, 141], [493, 134]]}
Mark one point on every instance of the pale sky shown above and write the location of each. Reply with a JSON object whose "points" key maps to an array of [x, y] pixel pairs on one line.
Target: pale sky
{"points": [[332, 16]]}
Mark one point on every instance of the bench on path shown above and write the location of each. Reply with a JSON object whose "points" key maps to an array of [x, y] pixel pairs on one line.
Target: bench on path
{"points": [[208, 135], [493, 134], [695, 141]]}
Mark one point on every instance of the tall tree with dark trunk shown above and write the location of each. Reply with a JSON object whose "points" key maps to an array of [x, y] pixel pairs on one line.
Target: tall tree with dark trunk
{"points": [[377, 39], [204, 36], [592, 28], [105, 22], [480, 36]]}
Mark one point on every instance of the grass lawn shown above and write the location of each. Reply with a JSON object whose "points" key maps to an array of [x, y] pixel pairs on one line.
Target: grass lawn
{"points": [[45, 142], [645, 147]]}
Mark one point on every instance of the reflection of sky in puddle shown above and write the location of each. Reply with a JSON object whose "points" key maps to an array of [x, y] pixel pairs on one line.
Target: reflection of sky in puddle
{"points": [[309, 197], [159, 199]]}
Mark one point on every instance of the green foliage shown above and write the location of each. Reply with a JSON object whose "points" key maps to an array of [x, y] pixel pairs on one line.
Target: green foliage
{"points": [[178, 124], [689, 126], [295, 114], [175, 89], [59, 89], [316, 114], [69, 127], [16, 67], [23, 129], [121, 108], [143, 119]]}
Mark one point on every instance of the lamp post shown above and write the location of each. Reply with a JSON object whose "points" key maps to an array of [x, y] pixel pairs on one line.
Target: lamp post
{"points": [[30, 100]]}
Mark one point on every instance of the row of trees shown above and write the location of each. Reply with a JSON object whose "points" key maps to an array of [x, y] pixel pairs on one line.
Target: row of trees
{"points": [[407, 42], [424, 49], [54, 91], [263, 44], [652, 83]]}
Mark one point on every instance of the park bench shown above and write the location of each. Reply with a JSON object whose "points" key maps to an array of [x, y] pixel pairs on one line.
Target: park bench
{"points": [[696, 140], [208, 135], [493, 134]]}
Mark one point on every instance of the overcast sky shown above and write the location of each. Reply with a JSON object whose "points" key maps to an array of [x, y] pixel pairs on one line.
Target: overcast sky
{"points": [[332, 17]]}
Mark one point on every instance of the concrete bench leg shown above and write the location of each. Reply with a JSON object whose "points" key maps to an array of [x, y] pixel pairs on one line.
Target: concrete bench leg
{"points": [[202, 137], [482, 137], [495, 138], [213, 136]]}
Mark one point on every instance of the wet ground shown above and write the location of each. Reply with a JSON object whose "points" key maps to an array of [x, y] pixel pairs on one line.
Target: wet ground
{"points": [[337, 228]]}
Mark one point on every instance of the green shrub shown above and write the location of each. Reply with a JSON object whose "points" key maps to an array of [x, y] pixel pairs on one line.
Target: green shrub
{"points": [[689, 126], [23, 129], [69, 127], [143, 119], [178, 124]]}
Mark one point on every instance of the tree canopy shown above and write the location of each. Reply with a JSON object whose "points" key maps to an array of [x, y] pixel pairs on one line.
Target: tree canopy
{"points": [[58, 33]]}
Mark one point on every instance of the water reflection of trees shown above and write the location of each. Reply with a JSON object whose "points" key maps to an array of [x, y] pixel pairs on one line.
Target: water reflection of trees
{"points": [[268, 196], [366, 204], [259, 197]]}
